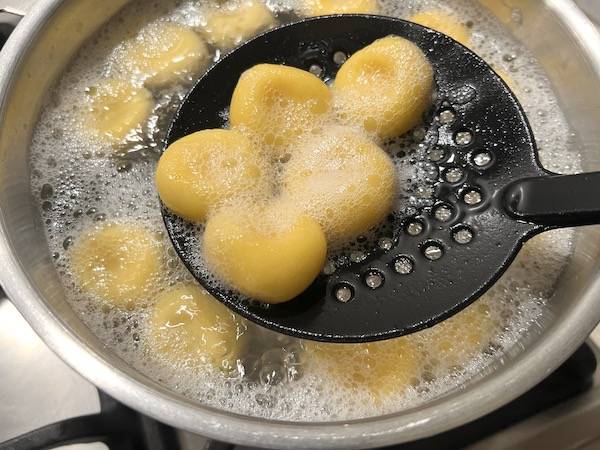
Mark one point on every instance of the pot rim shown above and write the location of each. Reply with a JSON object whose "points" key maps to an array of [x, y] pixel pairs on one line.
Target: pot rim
{"points": [[142, 394]]}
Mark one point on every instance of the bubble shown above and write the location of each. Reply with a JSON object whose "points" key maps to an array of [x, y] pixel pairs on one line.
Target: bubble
{"points": [[47, 191], [67, 242], [462, 95], [124, 166]]}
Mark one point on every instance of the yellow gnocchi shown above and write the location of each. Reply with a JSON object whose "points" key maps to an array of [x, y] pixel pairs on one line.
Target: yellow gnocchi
{"points": [[382, 368], [342, 179], [188, 325], [325, 7], [460, 337], [117, 109], [228, 28], [445, 23], [278, 104], [117, 262], [163, 53], [264, 257], [385, 87], [206, 169]]}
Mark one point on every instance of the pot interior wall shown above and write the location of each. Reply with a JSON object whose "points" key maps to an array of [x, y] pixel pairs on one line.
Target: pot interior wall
{"points": [[47, 55], [558, 48], [563, 51]]}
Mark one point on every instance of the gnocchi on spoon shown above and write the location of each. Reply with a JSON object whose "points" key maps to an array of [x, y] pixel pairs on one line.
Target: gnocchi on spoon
{"points": [[317, 99]]}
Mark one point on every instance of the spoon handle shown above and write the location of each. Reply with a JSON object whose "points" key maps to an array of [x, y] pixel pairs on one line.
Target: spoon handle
{"points": [[556, 200]]}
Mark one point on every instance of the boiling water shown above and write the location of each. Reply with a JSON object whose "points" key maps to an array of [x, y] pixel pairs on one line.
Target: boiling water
{"points": [[80, 180]]}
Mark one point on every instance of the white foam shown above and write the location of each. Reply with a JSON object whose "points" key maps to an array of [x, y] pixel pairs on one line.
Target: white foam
{"points": [[89, 184]]}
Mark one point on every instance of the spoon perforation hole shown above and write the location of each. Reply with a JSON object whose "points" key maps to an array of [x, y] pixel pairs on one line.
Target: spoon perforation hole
{"points": [[443, 212], [482, 159], [343, 292], [340, 57], [446, 116], [374, 279], [463, 138], [432, 250], [462, 234], [316, 70], [358, 256], [385, 243], [454, 175], [472, 196], [414, 227], [404, 265], [436, 155]]}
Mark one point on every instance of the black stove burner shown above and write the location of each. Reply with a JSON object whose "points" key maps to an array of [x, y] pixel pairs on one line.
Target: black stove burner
{"points": [[116, 425], [121, 428], [574, 377]]}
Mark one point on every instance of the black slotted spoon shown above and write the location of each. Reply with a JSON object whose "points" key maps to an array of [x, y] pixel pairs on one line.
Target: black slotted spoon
{"points": [[492, 192]]}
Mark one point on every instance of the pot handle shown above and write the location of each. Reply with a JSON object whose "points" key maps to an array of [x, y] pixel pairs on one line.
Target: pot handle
{"points": [[556, 200], [17, 7], [11, 13], [8, 22]]}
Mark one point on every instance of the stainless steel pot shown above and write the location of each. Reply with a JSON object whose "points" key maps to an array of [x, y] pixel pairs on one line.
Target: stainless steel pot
{"points": [[556, 32]]}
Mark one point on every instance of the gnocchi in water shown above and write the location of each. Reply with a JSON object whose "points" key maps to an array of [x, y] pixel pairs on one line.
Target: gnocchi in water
{"points": [[117, 109], [119, 263], [188, 325], [385, 87], [382, 368], [278, 104], [325, 7], [388, 367], [265, 254], [163, 53], [342, 179], [445, 23], [206, 169], [226, 28], [464, 334]]}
